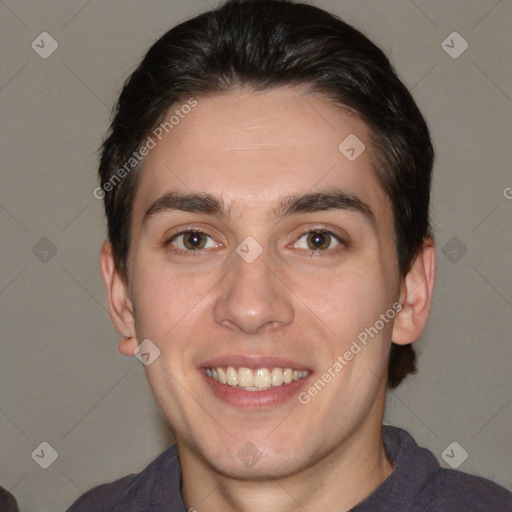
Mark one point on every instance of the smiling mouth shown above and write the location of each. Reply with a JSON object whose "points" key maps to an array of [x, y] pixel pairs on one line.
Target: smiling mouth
{"points": [[255, 379]]}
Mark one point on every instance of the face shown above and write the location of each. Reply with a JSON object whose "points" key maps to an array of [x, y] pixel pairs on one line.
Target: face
{"points": [[259, 254]]}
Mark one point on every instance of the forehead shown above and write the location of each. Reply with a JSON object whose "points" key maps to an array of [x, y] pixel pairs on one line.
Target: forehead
{"points": [[252, 148]]}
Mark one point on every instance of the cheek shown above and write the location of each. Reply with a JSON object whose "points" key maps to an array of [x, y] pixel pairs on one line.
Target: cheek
{"points": [[165, 300], [348, 299]]}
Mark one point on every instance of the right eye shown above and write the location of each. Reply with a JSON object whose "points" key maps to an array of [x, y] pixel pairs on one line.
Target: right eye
{"points": [[191, 240]]}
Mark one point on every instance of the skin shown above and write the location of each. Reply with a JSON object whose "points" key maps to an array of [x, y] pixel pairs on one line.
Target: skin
{"points": [[251, 150]]}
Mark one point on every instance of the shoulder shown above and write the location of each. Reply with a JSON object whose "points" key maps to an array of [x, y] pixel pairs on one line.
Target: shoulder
{"points": [[455, 490], [419, 483], [135, 492], [104, 497]]}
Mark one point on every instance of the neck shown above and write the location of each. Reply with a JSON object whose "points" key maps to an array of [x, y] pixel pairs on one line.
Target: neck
{"points": [[346, 476]]}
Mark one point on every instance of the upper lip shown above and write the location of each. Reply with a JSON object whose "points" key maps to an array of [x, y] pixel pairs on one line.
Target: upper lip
{"points": [[252, 361]]}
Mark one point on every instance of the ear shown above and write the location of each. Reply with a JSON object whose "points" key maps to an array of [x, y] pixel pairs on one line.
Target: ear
{"points": [[119, 302], [416, 296]]}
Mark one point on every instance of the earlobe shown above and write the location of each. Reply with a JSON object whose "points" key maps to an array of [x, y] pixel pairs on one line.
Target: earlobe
{"points": [[416, 296], [120, 305], [127, 345]]}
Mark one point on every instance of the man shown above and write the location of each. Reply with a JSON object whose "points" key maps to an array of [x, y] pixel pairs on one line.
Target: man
{"points": [[266, 181]]}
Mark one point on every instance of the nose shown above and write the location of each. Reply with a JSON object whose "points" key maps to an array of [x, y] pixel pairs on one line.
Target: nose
{"points": [[252, 298]]}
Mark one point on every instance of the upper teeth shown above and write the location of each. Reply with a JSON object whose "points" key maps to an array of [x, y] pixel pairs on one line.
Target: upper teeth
{"points": [[252, 379]]}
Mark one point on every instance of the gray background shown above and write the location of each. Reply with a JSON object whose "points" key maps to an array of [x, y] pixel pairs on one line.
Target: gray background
{"points": [[62, 380]]}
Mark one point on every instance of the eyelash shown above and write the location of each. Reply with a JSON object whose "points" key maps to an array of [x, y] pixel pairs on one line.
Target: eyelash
{"points": [[327, 252], [313, 253], [180, 252]]}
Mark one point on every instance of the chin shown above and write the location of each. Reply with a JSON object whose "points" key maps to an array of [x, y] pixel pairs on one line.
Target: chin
{"points": [[257, 461], [261, 471]]}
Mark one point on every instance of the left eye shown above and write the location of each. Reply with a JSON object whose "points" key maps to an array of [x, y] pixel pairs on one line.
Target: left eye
{"points": [[318, 241], [193, 241]]}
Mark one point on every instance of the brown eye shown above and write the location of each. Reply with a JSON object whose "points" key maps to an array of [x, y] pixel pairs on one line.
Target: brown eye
{"points": [[318, 241], [192, 241]]}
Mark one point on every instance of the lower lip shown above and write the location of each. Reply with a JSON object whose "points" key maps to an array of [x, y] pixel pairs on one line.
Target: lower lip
{"points": [[255, 399]]}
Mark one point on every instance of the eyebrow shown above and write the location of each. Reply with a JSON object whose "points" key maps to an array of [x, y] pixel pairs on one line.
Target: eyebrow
{"points": [[203, 203]]}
